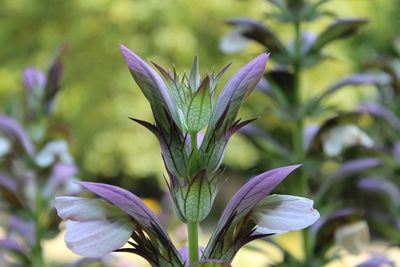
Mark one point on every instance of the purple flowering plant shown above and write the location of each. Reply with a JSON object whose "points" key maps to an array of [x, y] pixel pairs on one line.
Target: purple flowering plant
{"points": [[334, 137], [193, 126], [33, 169]]}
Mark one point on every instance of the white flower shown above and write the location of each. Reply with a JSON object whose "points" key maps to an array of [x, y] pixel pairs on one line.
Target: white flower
{"points": [[353, 237], [278, 214], [5, 145], [234, 41], [339, 137], [94, 227], [52, 151]]}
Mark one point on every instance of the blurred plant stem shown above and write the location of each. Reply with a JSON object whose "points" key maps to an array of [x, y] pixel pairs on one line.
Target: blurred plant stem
{"points": [[297, 135], [37, 251], [299, 125]]}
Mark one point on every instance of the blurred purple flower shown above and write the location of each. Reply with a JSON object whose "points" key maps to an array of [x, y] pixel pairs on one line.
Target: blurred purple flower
{"points": [[34, 80], [354, 166], [23, 228], [347, 169], [396, 151], [356, 79], [377, 261], [380, 185], [381, 112], [11, 245], [16, 132], [309, 133], [41, 89], [61, 178]]}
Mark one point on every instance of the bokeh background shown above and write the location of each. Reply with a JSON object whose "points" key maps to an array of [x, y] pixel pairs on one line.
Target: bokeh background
{"points": [[98, 94]]}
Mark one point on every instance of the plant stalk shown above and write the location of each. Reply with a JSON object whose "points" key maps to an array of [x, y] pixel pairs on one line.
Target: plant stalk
{"points": [[299, 126], [37, 250], [193, 237]]}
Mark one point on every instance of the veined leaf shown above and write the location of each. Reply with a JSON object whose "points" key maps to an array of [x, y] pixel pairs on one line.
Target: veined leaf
{"points": [[195, 199], [194, 76], [199, 110]]}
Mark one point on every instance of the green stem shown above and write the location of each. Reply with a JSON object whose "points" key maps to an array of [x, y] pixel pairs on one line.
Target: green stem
{"points": [[193, 241], [193, 140], [299, 121], [37, 251], [298, 127], [193, 226]]}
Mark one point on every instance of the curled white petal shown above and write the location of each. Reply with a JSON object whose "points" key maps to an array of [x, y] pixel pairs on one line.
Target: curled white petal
{"points": [[94, 227], [278, 214], [353, 237], [52, 151], [234, 41], [337, 138], [5, 145]]}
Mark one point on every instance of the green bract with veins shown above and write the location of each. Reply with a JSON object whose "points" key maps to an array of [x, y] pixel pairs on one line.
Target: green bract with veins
{"points": [[193, 97]]}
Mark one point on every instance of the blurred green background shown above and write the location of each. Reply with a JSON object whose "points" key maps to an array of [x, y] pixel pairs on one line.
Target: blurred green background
{"points": [[98, 94]]}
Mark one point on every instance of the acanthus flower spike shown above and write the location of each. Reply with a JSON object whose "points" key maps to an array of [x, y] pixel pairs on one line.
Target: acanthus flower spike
{"points": [[182, 111]]}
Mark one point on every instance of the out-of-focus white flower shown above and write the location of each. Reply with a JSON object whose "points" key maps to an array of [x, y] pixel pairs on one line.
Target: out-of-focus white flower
{"points": [[234, 41], [52, 151], [339, 137], [5, 145], [353, 237]]}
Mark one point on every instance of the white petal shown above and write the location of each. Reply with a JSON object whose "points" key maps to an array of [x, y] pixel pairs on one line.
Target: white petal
{"points": [[344, 135], [97, 238], [83, 209], [94, 227], [353, 237], [332, 147], [278, 214], [53, 150], [5, 146], [234, 41]]}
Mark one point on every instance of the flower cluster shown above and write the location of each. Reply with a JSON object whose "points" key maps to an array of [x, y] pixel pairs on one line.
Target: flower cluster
{"points": [[33, 169], [193, 127]]}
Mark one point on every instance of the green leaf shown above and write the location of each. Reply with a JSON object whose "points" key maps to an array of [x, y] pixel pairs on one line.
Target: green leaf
{"points": [[194, 200], [194, 76], [199, 109]]}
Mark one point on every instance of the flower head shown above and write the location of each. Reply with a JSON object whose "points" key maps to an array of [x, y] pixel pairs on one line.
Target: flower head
{"points": [[193, 126], [42, 88], [99, 226], [252, 214]]}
